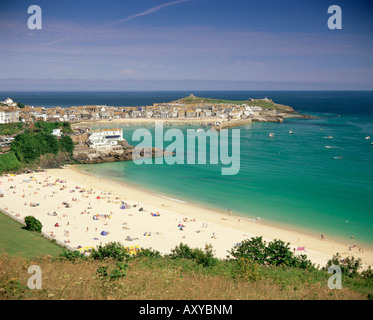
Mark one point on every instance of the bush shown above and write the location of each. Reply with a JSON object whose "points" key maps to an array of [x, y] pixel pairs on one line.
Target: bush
{"points": [[274, 253], [66, 144], [114, 250], [33, 143], [279, 253], [9, 162], [247, 269], [119, 271], [349, 266], [33, 224], [148, 253], [202, 257], [72, 255], [253, 249]]}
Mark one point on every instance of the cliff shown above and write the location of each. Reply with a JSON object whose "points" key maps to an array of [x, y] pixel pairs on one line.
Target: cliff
{"points": [[94, 156]]}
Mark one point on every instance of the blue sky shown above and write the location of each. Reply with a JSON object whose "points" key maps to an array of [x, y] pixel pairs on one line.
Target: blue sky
{"points": [[176, 44]]}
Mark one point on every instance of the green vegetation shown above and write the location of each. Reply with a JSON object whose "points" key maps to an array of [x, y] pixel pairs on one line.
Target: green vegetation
{"points": [[194, 99], [47, 127], [274, 253], [33, 224], [265, 104], [119, 271], [111, 273], [17, 241], [36, 141], [8, 129], [9, 162]]}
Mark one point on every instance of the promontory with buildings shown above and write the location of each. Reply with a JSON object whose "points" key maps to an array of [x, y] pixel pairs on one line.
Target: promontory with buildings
{"points": [[104, 145]]}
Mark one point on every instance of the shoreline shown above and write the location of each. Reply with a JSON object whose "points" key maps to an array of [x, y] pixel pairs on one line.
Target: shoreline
{"points": [[200, 222]]}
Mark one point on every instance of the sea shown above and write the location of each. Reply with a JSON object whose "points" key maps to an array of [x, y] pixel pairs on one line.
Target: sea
{"points": [[305, 181]]}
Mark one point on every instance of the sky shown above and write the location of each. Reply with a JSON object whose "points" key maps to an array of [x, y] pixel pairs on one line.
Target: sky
{"points": [[186, 44]]}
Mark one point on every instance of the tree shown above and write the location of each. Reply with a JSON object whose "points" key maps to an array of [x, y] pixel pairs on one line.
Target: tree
{"points": [[275, 253], [26, 147], [279, 253], [66, 144], [48, 143], [33, 224], [253, 249], [349, 266]]}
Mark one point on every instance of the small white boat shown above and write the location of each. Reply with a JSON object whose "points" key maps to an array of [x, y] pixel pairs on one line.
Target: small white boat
{"points": [[291, 132], [271, 134], [328, 147], [367, 137]]}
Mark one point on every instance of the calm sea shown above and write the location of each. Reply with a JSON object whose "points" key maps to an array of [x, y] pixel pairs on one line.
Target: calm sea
{"points": [[290, 180]]}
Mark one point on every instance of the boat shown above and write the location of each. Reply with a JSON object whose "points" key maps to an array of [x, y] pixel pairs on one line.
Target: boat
{"points": [[271, 134], [291, 132], [367, 137]]}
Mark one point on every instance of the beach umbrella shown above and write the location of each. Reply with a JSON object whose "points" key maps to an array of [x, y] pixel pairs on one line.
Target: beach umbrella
{"points": [[103, 233]]}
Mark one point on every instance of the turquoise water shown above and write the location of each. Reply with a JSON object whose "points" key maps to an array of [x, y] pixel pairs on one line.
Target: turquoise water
{"points": [[289, 180]]}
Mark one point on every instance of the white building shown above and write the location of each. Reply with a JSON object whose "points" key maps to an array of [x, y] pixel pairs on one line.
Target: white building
{"points": [[57, 133], [105, 138], [9, 114], [9, 102], [256, 108]]}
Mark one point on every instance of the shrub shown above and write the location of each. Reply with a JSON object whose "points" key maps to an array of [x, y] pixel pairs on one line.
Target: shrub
{"points": [[119, 271], [275, 253], [202, 257], [72, 255], [247, 269], [114, 250], [349, 266], [33, 224], [253, 249], [9, 162], [148, 253], [279, 253], [66, 144], [367, 274]]}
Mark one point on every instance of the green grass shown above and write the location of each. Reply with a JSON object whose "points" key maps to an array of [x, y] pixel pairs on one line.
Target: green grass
{"points": [[191, 100], [257, 102], [16, 241]]}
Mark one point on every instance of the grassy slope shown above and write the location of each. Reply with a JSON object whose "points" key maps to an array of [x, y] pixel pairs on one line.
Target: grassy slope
{"points": [[257, 102], [162, 279], [17, 241]]}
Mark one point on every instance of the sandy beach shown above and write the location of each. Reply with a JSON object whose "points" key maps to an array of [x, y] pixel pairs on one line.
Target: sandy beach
{"points": [[82, 210]]}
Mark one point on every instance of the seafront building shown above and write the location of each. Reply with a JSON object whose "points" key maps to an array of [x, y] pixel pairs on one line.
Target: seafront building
{"points": [[105, 138], [9, 114], [9, 111]]}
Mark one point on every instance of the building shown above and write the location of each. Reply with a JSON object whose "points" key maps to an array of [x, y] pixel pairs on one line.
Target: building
{"points": [[9, 114], [105, 138], [57, 133], [9, 102]]}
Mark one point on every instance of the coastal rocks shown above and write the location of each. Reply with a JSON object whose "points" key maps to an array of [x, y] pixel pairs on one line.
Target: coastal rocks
{"points": [[125, 155]]}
